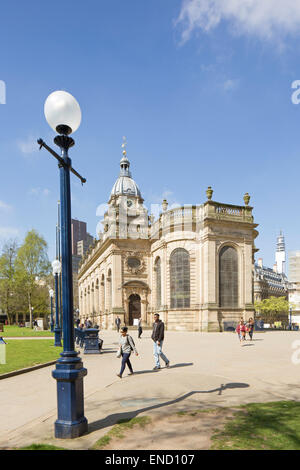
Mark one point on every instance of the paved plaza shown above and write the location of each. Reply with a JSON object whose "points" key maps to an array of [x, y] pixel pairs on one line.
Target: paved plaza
{"points": [[207, 369]]}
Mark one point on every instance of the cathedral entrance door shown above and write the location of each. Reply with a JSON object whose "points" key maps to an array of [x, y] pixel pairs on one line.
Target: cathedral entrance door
{"points": [[134, 307]]}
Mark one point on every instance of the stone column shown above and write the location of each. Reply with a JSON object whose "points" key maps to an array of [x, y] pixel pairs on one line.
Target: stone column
{"points": [[89, 301], [126, 316], [92, 302], [164, 281], [116, 281], [144, 312], [96, 298]]}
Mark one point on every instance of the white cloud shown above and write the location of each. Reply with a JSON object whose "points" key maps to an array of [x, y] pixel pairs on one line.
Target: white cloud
{"points": [[39, 191], [28, 145], [231, 84], [266, 19], [4, 206]]}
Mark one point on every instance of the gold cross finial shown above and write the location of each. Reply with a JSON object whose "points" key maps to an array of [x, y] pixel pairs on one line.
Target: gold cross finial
{"points": [[124, 145]]}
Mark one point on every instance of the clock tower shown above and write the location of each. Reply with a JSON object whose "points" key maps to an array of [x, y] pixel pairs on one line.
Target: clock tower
{"points": [[126, 216]]}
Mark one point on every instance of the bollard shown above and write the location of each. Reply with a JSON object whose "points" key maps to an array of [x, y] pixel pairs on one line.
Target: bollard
{"points": [[91, 341]]}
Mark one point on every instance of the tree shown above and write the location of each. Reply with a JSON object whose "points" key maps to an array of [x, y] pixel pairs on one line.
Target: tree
{"points": [[8, 297], [32, 265], [273, 308]]}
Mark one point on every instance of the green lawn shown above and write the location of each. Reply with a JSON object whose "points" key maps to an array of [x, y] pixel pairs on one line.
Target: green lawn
{"points": [[261, 426], [15, 331], [41, 447], [21, 354]]}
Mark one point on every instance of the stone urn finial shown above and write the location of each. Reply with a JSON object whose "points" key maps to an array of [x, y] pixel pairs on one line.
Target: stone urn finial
{"points": [[246, 199], [164, 205], [209, 193]]}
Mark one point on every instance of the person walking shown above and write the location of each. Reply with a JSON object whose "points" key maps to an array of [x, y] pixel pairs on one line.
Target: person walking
{"points": [[250, 327], [158, 339], [241, 331], [118, 323], [126, 346], [140, 329]]}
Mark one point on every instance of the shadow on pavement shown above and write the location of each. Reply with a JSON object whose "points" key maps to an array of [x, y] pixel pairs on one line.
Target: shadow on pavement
{"points": [[184, 364], [114, 418], [171, 367]]}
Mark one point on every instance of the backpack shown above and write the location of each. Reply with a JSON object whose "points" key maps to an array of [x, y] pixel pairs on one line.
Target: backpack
{"points": [[129, 342]]}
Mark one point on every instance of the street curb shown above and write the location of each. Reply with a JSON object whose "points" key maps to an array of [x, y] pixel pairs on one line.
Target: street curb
{"points": [[27, 369]]}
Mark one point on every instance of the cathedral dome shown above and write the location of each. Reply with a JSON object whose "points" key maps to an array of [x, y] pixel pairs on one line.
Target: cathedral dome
{"points": [[125, 185]]}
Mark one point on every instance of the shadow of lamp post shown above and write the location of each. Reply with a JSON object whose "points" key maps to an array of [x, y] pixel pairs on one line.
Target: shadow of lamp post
{"points": [[63, 114]]}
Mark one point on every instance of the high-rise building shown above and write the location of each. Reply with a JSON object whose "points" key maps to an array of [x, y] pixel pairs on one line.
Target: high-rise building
{"points": [[81, 241], [280, 254], [83, 245], [78, 232], [294, 266]]}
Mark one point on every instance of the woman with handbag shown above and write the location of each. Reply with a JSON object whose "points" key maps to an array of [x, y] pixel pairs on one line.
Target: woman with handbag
{"points": [[126, 346]]}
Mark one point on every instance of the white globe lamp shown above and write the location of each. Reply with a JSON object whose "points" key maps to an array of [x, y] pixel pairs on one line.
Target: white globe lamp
{"points": [[62, 112]]}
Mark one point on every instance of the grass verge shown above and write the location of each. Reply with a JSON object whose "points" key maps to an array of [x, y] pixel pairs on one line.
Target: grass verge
{"points": [[119, 430], [27, 353], [17, 332], [41, 447], [261, 426]]}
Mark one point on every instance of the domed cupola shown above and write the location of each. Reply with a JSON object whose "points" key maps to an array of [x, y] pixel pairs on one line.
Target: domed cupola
{"points": [[125, 185]]}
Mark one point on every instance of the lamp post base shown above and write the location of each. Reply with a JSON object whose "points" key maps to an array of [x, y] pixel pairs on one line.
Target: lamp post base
{"points": [[64, 430], [57, 337], [69, 373]]}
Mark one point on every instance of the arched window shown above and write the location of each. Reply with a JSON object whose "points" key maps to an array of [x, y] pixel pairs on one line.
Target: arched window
{"points": [[158, 282], [180, 278], [228, 277]]}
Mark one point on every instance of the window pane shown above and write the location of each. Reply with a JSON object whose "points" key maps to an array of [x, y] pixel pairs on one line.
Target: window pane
{"points": [[228, 277], [180, 278]]}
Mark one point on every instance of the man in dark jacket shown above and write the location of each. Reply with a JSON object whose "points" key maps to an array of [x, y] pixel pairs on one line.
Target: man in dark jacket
{"points": [[158, 339], [118, 323]]}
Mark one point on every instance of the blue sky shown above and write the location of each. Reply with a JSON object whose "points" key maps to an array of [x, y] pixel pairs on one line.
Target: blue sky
{"points": [[200, 88]]}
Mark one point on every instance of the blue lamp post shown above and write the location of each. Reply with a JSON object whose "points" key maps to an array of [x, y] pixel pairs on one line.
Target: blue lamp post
{"points": [[63, 114], [290, 311], [56, 265], [51, 309]]}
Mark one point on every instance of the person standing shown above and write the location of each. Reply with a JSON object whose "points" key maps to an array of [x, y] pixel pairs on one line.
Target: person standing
{"points": [[140, 329], [77, 322], [158, 339], [241, 331], [250, 327], [118, 323], [126, 346]]}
